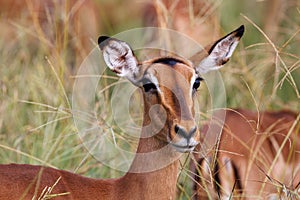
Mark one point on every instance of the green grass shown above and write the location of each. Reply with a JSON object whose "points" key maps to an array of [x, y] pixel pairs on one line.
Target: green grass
{"points": [[36, 121]]}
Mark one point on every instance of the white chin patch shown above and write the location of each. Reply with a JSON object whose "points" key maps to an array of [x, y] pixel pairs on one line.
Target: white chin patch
{"points": [[183, 149], [182, 146]]}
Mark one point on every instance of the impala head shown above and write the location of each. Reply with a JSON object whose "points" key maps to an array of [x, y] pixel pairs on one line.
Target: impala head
{"points": [[170, 82]]}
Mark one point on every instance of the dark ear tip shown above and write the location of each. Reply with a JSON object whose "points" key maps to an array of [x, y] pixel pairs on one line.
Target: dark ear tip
{"points": [[240, 31], [102, 41]]}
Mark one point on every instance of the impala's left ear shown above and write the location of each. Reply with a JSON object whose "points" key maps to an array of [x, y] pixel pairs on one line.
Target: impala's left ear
{"points": [[219, 53], [119, 57]]}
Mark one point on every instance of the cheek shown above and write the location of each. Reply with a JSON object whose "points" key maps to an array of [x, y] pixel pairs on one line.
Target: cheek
{"points": [[173, 136], [157, 114], [193, 108], [149, 100]]}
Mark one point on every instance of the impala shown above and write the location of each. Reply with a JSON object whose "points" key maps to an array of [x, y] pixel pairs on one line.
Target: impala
{"points": [[258, 158], [51, 24], [193, 18], [171, 83]]}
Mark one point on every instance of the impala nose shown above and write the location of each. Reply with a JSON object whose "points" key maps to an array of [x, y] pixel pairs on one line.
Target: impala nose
{"points": [[187, 134], [184, 136]]}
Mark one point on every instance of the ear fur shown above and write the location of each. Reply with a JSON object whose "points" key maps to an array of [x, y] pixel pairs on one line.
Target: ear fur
{"points": [[119, 57], [220, 52]]}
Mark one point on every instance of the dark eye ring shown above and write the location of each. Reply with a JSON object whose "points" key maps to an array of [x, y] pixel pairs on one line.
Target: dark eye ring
{"points": [[197, 82]]}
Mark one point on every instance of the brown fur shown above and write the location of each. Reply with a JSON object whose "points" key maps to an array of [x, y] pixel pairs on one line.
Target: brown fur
{"points": [[25, 180], [59, 26], [250, 145], [156, 161], [197, 18]]}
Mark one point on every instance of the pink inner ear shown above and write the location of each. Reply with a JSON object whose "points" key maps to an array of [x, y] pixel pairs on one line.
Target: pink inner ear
{"points": [[220, 52], [236, 34], [224, 49], [119, 57]]}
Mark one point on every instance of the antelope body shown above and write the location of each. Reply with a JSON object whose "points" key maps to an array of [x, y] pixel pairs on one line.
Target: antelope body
{"points": [[258, 158], [169, 82]]}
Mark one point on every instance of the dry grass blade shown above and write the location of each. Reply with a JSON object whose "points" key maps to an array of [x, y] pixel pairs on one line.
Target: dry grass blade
{"points": [[43, 162], [46, 193], [277, 58], [59, 82], [279, 151], [50, 122]]}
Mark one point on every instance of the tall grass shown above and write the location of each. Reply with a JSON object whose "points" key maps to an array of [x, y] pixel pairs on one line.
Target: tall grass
{"points": [[37, 73], [36, 124]]}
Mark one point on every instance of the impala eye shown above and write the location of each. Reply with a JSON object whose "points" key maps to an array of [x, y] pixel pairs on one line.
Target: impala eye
{"points": [[197, 83], [149, 87]]}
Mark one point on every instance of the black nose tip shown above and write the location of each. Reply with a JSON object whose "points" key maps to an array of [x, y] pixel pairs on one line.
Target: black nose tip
{"points": [[183, 133]]}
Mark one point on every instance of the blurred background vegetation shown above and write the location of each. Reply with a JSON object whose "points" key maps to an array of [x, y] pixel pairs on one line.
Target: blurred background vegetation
{"points": [[42, 44]]}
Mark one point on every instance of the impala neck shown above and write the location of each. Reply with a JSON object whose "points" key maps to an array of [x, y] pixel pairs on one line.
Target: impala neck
{"points": [[150, 160], [155, 162], [153, 152]]}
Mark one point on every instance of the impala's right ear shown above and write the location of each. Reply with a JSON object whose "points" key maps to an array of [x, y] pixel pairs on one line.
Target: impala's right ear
{"points": [[119, 57], [217, 54]]}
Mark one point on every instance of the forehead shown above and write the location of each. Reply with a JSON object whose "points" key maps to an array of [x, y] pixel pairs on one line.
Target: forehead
{"points": [[169, 68]]}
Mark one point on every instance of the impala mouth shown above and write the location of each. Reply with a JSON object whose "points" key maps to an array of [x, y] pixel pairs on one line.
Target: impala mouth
{"points": [[183, 145], [183, 149]]}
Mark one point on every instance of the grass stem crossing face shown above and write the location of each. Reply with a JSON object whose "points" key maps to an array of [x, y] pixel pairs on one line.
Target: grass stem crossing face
{"points": [[170, 82]]}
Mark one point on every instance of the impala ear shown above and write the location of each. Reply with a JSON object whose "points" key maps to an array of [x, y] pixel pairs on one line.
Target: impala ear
{"points": [[119, 57], [219, 53]]}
